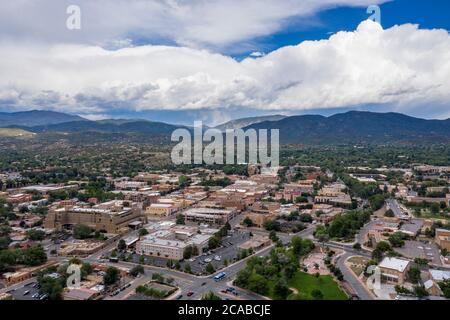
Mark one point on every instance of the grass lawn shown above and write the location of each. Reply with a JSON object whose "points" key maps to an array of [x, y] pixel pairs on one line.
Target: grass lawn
{"points": [[305, 283]]}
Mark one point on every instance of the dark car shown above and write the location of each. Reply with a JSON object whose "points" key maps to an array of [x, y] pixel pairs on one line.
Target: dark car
{"points": [[190, 293]]}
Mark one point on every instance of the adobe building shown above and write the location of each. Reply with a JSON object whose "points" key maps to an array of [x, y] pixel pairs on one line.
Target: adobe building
{"points": [[110, 216], [394, 270], [442, 238]]}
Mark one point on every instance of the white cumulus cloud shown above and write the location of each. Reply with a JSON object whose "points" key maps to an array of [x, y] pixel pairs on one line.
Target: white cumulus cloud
{"points": [[402, 66], [194, 23]]}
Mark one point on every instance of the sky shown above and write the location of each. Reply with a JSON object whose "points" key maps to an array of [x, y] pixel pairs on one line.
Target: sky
{"points": [[184, 60]]}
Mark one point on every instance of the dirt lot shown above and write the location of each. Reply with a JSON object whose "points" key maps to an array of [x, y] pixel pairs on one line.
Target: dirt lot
{"points": [[357, 264]]}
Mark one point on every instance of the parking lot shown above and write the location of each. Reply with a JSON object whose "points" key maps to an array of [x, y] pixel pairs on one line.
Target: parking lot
{"points": [[28, 291], [228, 251], [418, 249], [217, 257]]}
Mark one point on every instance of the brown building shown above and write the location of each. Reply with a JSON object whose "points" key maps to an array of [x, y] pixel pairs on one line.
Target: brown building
{"points": [[394, 270], [442, 238], [259, 219], [109, 216], [19, 198], [209, 215]]}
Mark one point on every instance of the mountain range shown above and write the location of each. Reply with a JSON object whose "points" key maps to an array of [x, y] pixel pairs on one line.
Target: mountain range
{"points": [[358, 127], [35, 118], [346, 128], [244, 122]]}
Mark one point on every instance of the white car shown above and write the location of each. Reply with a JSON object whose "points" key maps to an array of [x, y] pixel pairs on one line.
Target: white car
{"points": [[217, 258], [207, 260]]}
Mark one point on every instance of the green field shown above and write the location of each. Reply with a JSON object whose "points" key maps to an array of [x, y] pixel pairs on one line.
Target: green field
{"points": [[306, 283]]}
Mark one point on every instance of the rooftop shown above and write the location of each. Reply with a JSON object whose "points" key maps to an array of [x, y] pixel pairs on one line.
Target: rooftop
{"points": [[439, 275], [394, 264]]}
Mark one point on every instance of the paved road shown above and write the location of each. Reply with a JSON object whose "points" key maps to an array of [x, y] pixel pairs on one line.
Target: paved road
{"points": [[351, 279], [18, 290], [395, 207], [204, 284]]}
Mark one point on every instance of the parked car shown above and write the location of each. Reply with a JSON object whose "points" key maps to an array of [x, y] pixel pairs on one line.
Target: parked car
{"points": [[190, 293]]}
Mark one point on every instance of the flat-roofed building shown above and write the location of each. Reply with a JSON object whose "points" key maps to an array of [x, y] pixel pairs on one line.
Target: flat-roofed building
{"points": [[209, 215], [144, 197], [432, 169], [300, 187], [160, 210], [256, 243], [394, 270], [259, 219], [112, 216], [147, 177], [442, 238], [46, 188], [168, 240], [19, 198], [80, 294], [80, 248], [129, 185]]}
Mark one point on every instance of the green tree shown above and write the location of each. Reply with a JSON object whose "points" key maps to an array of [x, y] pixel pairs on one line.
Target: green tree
{"points": [[389, 213], [376, 201], [397, 239], [122, 246], [281, 290], [258, 283], [414, 275], [187, 253], [86, 269], [180, 219], [297, 245], [135, 271], [35, 235], [317, 294], [273, 236], [210, 268], [52, 287], [445, 287], [435, 208], [143, 232], [213, 242], [247, 222], [272, 225], [81, 231], [420, 291], [210, 296], [111, 276]]}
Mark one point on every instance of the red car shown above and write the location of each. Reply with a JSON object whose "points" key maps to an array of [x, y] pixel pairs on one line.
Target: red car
{"points": [[190, 293]]}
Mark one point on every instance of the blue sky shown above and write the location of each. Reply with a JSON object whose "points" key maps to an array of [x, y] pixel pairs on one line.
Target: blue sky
{"points": [[180, 61], [427, 14]]}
